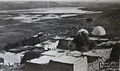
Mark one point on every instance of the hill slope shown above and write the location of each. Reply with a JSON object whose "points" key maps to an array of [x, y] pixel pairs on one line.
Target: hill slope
{"points": [[111, 21]]}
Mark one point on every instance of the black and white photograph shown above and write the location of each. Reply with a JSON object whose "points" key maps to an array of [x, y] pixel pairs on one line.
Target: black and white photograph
{"points": [[59, 35]]}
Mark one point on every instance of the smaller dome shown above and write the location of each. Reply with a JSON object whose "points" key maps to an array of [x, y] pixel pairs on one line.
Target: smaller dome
{"points": [[82, 30]]}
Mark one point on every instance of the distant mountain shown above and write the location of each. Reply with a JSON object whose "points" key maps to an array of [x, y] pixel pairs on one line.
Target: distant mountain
{"points": [[29, 5], [42, 4]]}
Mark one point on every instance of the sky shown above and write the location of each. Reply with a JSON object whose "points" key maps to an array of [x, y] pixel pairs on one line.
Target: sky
{"points": [[69, 0], [96, 1]]}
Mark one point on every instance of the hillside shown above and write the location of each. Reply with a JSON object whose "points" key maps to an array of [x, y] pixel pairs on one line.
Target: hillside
{"points": [[111, 21]]}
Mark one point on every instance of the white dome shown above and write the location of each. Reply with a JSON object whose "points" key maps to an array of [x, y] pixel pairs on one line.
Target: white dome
{"points": [[99, 31]]}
